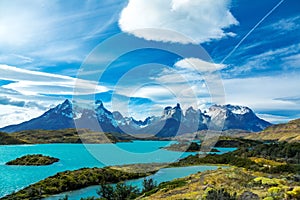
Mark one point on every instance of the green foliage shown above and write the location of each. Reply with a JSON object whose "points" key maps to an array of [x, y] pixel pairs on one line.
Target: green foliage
{"points": [[225, 141], [227, 158], [6, 139], [221, 194], [120, 192], [247, 195], [283, 151], [123, 191], [287, 152], [73, 180], [35, 159], [106, 191], [68, 136], [295, 193], [148, 185]]}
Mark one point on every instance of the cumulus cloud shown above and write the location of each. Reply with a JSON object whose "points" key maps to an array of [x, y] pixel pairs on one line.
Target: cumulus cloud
{"points": [[200, 20]]}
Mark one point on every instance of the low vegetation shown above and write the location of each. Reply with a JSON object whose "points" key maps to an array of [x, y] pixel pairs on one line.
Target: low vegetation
{"points": [[187, 147], [229, 184], [271, 158], [6, 139], [68, 136], [73, 180], [36, 159]]}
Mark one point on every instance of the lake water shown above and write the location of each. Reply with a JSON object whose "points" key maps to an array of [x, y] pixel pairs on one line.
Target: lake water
{"points": [[75, 156]]}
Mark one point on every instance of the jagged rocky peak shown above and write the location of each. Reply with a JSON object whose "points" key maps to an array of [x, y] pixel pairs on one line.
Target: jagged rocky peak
{"points": [[64, 109], [175, 112], [117, 115], [98, 104], [192, 111], [223, 117], [65, 105], [240, 110]]}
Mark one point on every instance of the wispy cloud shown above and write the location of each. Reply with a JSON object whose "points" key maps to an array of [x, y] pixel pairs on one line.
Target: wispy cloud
{"points": [[51, 31], [270, 61], [33, 83], [265, 94]]}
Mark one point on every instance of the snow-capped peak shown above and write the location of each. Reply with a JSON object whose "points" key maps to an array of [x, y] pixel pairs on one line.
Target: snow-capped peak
{"points": [[239, 110]]}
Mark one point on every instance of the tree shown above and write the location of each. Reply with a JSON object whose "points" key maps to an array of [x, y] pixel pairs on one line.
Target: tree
{"points": [[123, 191], [120, 192], [148, 184], [106, 191]]}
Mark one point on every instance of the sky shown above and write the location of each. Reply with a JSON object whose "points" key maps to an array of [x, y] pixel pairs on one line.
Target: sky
{"points": [[139, 56]]}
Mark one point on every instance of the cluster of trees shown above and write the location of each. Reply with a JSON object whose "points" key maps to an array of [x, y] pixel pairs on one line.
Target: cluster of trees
{"points": [[121, 191], [288, 152]]}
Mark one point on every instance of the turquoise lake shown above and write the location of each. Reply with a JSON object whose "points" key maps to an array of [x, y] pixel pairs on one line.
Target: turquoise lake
{"points": [[75, 156]]}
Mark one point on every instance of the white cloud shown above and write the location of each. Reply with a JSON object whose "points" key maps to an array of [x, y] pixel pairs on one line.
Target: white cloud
{"points": [[199, 65], [264, 94], [286, 57], [33, 83], [200, 20], [284, 25], [14, 114], [274, 118]]}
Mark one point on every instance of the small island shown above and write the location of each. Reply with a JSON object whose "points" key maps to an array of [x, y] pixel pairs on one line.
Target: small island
{"points": [[188, 147], [33, 160]]}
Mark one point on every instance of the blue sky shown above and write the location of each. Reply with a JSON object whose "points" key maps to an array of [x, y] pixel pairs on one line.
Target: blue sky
{"points": [[49, 47]]}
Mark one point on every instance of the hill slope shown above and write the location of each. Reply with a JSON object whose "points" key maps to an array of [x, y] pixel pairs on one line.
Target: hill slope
{"points": [[289, 132], [8, 139]]}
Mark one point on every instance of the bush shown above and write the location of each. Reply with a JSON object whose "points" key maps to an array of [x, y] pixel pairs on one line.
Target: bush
{"points": [[221, 194]]}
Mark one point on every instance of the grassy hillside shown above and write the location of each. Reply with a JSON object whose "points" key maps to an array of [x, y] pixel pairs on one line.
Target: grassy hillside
{"points": [[236, 182], [8, 139], [289, 132]]}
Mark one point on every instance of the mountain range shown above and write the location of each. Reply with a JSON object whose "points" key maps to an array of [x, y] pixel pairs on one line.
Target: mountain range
{"points": [[172, 122]]}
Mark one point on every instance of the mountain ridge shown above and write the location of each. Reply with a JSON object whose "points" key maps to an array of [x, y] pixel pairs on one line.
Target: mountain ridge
{"points": [[172, 122]]}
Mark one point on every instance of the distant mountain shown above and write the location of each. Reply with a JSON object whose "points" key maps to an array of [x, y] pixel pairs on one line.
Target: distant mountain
{"points": [[172, 122], [60, 117], [235, 117], [289, 132]]}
